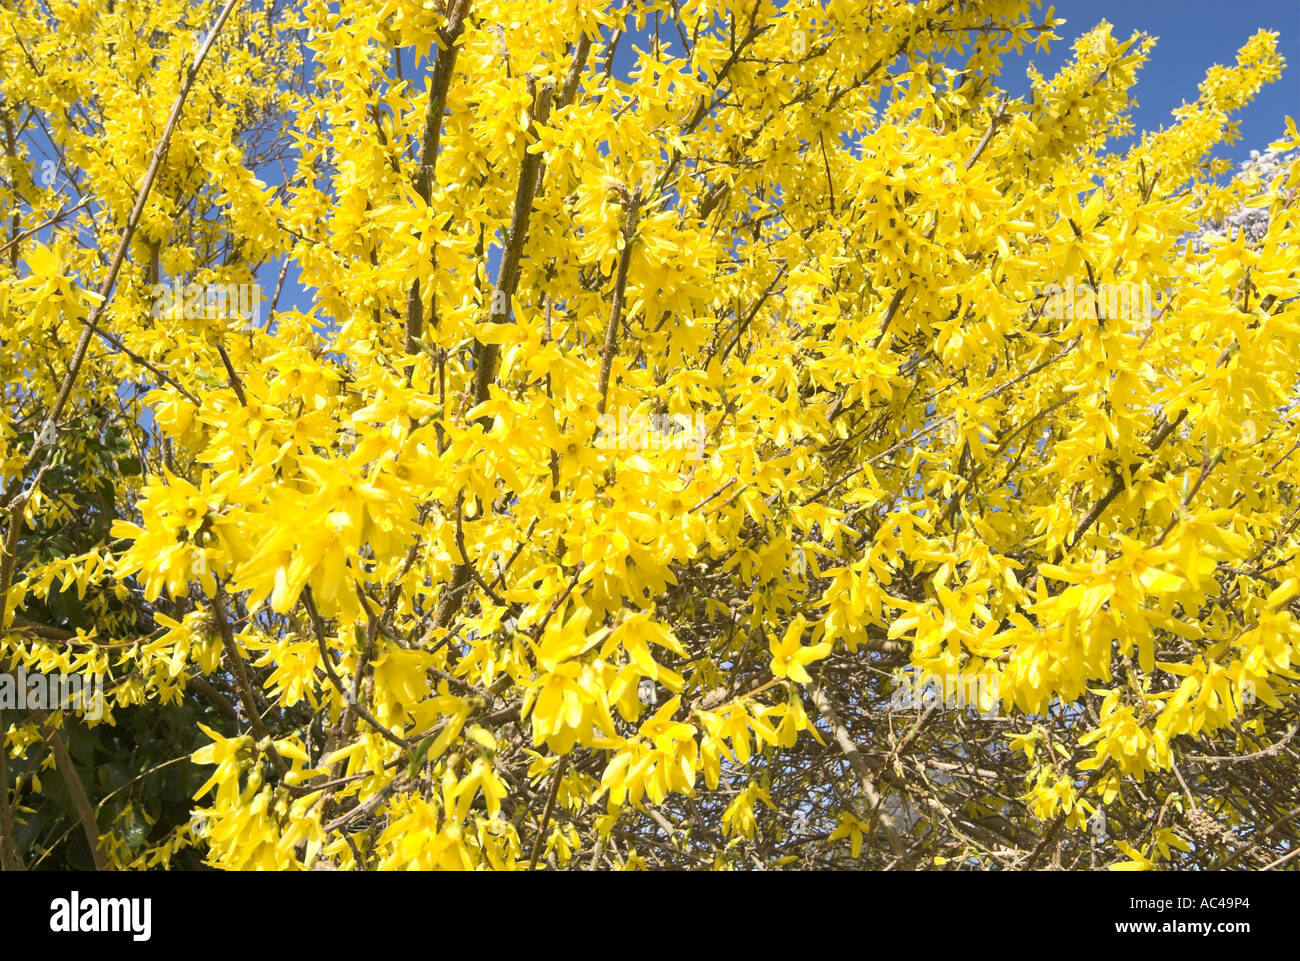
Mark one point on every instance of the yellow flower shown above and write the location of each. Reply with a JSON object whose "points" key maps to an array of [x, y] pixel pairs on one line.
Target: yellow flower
{"points": [[789, 657]]}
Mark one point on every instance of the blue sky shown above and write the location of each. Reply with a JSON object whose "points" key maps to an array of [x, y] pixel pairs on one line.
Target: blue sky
{"points": [[1192, 36]]}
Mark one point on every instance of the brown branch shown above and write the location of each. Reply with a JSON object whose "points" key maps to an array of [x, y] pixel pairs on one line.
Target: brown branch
{"points": [[9, 860], [556, 778], [39, 227], [439, 84], [616, 308], [530, 175], [133, 220], [11, 498], [319, 626], [850, 751], [240, 671], [213, 697], [77, 790]]}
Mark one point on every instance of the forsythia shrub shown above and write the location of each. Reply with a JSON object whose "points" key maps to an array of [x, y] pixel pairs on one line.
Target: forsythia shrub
{"points": [[793, 450]]}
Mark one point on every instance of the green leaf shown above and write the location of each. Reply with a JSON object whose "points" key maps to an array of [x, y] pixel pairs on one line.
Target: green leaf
{"points": [[419, 754], [203, 377], [136, 831]]}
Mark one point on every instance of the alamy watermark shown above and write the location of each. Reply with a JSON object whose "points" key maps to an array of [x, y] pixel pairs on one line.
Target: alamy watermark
{"points": [[75, 914], [924, 690], [81, 693], [1082, 301], [628, 430], [208, 301]]}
